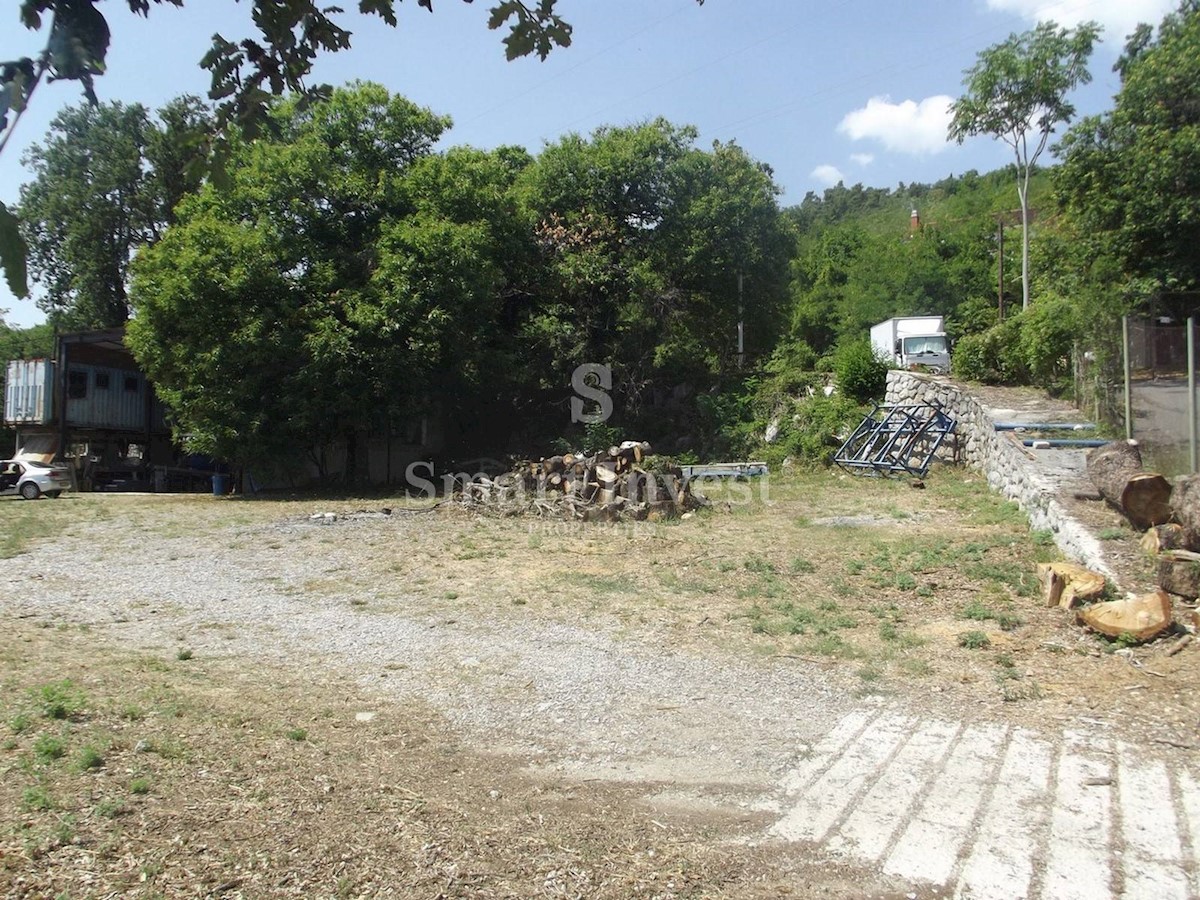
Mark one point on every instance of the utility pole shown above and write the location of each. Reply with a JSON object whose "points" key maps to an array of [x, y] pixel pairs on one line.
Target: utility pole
{"points": [[1000, 267], [741, 326]]}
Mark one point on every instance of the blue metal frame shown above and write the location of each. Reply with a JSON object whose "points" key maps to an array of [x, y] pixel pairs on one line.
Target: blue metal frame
{"points": [[894, 440]]}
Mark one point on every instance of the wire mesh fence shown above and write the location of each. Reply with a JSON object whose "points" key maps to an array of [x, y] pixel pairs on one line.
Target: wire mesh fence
{"points": [[1161, 392]]}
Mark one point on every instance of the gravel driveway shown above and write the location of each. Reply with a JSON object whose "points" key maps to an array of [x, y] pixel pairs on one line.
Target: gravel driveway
{"points": [[946, 801]]}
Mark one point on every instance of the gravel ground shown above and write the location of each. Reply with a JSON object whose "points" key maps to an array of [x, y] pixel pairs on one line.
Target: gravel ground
{"points": [[700, 730], [573, 698]]}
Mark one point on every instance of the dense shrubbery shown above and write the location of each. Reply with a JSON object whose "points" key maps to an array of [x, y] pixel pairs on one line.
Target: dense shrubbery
{"points": [[993, 356], [861, 375], [813, 429], [1032, 347]]}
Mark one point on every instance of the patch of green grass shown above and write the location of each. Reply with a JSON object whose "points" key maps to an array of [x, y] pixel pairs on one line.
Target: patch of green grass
{"points": [[184, 654], [297, 734], [131, 712], [20, 723], [1112, 534], [60, 699], [169, 748], [110, 808], [836, 646], [906, 582], [976, 611], [48, 748], [1042, 537], [889, 632], [139, 786], [980, 612], [916, 667], [1014, 575], [89, 758], [36, 799], [974, 640], [801, 566], [759, 566], [1009, 621]]}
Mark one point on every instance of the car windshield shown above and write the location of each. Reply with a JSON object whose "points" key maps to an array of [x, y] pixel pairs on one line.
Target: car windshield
{"points": [[929, 343]]}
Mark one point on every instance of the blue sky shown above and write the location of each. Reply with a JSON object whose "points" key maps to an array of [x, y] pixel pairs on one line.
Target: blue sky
{"points": [[853, 90]]}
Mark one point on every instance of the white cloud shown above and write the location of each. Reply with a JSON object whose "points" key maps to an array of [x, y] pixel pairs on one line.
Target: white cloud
{"points": [[863, 159], [907, 127], [1119, 17], [828, 175]]}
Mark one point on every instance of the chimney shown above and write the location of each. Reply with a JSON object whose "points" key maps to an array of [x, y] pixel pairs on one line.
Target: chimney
{"points": [[914, 221]]}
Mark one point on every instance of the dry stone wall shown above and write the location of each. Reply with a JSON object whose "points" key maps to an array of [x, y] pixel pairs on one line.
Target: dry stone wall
{"points": [[1008, 470]]}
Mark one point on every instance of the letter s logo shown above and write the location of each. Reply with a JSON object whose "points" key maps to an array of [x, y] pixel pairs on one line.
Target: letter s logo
{"points": [[596, 389]]}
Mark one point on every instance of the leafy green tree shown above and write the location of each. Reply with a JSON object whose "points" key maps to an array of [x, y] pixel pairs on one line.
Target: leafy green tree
{"points": [[1130, 179], [1017, 92], [344, 280], [105, 182], [246, 73], [642, 238]]}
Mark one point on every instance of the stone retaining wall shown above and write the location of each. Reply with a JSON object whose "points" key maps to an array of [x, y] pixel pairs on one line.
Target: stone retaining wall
{"points": [[1009, 471]]}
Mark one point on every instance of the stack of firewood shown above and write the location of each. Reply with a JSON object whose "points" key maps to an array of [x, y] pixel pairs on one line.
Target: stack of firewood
{"points": [[618, 484]]}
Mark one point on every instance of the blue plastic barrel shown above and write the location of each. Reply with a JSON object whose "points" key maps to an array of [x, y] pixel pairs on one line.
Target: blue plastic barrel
{"points": [[220, 484]]}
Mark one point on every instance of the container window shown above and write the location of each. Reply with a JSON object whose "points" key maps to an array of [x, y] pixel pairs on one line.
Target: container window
{"points": [[131, 384], [102, 381], [77, 385]]}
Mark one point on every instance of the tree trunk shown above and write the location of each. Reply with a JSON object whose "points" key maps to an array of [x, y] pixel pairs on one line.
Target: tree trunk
{"points": [[1179, 573], [1185, 504], [1116, 471], [1025, 245]]}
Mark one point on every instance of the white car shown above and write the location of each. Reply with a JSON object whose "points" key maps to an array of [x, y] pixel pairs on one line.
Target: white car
{"points": [[31, 478]]}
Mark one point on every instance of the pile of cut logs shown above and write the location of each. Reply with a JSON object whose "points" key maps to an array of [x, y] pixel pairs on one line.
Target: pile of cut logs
{"points": [[619, 484], [1169, 516]]}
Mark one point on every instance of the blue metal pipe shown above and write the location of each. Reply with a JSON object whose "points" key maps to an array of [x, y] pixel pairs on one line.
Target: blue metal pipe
{"points": [[1045, 426]]}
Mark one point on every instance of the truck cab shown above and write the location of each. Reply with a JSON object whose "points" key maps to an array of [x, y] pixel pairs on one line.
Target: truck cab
{"points": [[925, 350]]}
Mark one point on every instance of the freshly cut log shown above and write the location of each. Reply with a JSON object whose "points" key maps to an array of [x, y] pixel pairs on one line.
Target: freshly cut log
{"points": [[1161, 538], [1179, 573], [1116, 471], [1185, 504], [1141, 617], [1066, 585], [1146, 500]]}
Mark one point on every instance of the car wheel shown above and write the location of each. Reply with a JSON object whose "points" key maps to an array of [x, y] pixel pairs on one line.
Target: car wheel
{"points": [[30, 491]]}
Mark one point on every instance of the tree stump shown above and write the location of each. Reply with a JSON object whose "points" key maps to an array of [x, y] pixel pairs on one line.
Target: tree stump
{"points": [[1185, 505], [1143, 497], [1161, 538], [1141, 617], [1067, 585], [1179, 573]]}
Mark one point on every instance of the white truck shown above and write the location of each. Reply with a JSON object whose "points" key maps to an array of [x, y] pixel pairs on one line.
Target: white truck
{"points": [[913, 342]]}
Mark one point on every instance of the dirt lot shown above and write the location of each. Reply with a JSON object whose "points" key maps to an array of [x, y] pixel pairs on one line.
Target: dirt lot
{"points": [[225, 697]]}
